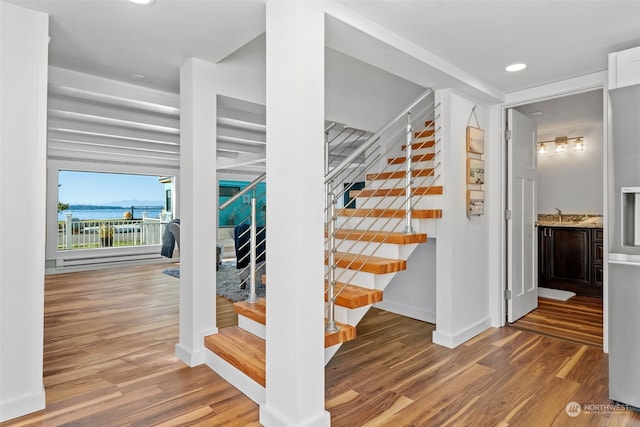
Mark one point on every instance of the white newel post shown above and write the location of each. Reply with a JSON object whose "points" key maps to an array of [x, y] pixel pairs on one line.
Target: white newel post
{"points": [[199, 193], [295, 215]]}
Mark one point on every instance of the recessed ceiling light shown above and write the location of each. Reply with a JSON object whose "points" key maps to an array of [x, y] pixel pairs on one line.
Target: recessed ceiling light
{"points": [[516, 67], [143, 2]]}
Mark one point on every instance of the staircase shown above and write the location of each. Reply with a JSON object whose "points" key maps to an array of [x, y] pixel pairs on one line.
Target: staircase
{"points": [[371, 246]]}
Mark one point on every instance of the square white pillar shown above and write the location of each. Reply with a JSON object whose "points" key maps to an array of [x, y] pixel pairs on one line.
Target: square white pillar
{"points": [[198, 202], [295, 215], [23, 166]]}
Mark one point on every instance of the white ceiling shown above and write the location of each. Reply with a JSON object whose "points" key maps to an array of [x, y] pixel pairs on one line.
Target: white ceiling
{"points": [[117, 39], [557, 39]]}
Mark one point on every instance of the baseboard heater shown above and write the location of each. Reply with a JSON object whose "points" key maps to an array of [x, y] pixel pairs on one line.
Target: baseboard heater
{"points": [[71, 262]]}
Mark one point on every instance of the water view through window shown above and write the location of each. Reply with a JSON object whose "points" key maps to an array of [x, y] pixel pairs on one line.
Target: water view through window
{"points": [[98, 195]]}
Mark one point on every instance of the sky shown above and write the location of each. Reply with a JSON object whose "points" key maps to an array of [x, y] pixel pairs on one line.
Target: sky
{"points": [[94, 188]]}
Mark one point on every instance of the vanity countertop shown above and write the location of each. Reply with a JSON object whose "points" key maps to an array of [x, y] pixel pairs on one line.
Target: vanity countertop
{"points": [[572, 220]]}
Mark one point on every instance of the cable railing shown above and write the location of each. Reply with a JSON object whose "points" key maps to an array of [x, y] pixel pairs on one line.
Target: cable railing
{"points": [[250, 234], [393, 202]]}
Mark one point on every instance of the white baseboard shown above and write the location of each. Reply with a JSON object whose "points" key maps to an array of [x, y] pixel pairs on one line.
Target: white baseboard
{"points": [[407, 311], [189, 357], [454, 340], [270, 417], [22, 406]]}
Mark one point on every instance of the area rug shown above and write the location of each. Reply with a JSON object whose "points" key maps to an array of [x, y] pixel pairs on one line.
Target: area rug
{"points": [[228, 282], [555, 294]]}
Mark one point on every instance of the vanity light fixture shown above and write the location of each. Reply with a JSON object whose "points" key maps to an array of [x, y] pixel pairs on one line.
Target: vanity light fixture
{"points": [[542, 148], [561, 143], [143, 2]]}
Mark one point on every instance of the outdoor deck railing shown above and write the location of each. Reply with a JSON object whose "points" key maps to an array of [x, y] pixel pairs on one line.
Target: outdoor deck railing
{"points": [[90, 234]]}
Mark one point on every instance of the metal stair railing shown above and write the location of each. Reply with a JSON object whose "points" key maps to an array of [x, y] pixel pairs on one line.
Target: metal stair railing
{"points": [[250, 236], [353, 168]]}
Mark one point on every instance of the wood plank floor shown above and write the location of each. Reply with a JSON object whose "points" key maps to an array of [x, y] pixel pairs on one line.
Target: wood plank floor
{"points": [[109, 361], [578, 319]]}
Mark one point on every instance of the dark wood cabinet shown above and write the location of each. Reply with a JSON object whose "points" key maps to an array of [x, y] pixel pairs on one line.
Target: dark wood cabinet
{"points": [[570, 258]]}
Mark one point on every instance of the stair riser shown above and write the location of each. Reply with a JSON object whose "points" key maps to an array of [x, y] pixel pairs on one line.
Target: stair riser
{"points": [[428, 226], [419, 181], [421, 150], [373, 223], [361, 278], [419, 202], [250, 325], [384, 250], [423, 164], [350, 316], [233, 375]]}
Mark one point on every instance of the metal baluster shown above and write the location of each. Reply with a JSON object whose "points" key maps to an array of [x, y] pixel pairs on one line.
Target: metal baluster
{"points": [[252, 257], [408, 229], [331, 224]]}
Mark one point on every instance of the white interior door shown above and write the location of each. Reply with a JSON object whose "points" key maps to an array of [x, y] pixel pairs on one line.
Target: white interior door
{"points": [[522, 253]]}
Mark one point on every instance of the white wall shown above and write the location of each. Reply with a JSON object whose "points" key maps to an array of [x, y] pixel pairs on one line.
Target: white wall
{"points": [[412, 292], [23, 107], [361, 95], [462, 289], [572, 181]]}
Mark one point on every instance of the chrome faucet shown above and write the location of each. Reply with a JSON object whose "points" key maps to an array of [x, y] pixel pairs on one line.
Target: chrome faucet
{"points": [[559, 215]]}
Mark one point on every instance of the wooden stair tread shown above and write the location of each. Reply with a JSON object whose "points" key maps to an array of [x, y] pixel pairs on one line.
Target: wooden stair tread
{"points": [[398, 174], [424, 132], [420, 144], [343, 334], [352, 296], [368, 264], [417, 158], [391, 213], [396, 238], [255, 311], [241, 349], [258, 312], [394, 192]]}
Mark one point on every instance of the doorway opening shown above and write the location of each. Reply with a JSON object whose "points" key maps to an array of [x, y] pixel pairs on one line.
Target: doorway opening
{"points": [[570, 209]]}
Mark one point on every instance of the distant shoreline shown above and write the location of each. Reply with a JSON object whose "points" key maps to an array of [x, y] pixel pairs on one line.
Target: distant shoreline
{"points": [[97, 212]]}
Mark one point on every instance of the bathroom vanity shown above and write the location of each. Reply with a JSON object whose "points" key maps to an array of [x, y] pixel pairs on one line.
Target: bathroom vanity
{"points": [[570, 256]]}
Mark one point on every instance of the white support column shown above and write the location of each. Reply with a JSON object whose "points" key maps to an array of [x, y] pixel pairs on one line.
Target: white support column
{"points": [[295, 215], [23, 151], [199, 193]]}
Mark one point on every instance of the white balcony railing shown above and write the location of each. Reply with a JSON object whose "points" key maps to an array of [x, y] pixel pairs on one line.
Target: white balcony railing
{"points": [[91, 234]]}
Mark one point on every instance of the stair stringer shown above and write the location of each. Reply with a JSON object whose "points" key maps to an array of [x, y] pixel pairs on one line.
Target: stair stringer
{"points": [[427, 175], [353, 316]]}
